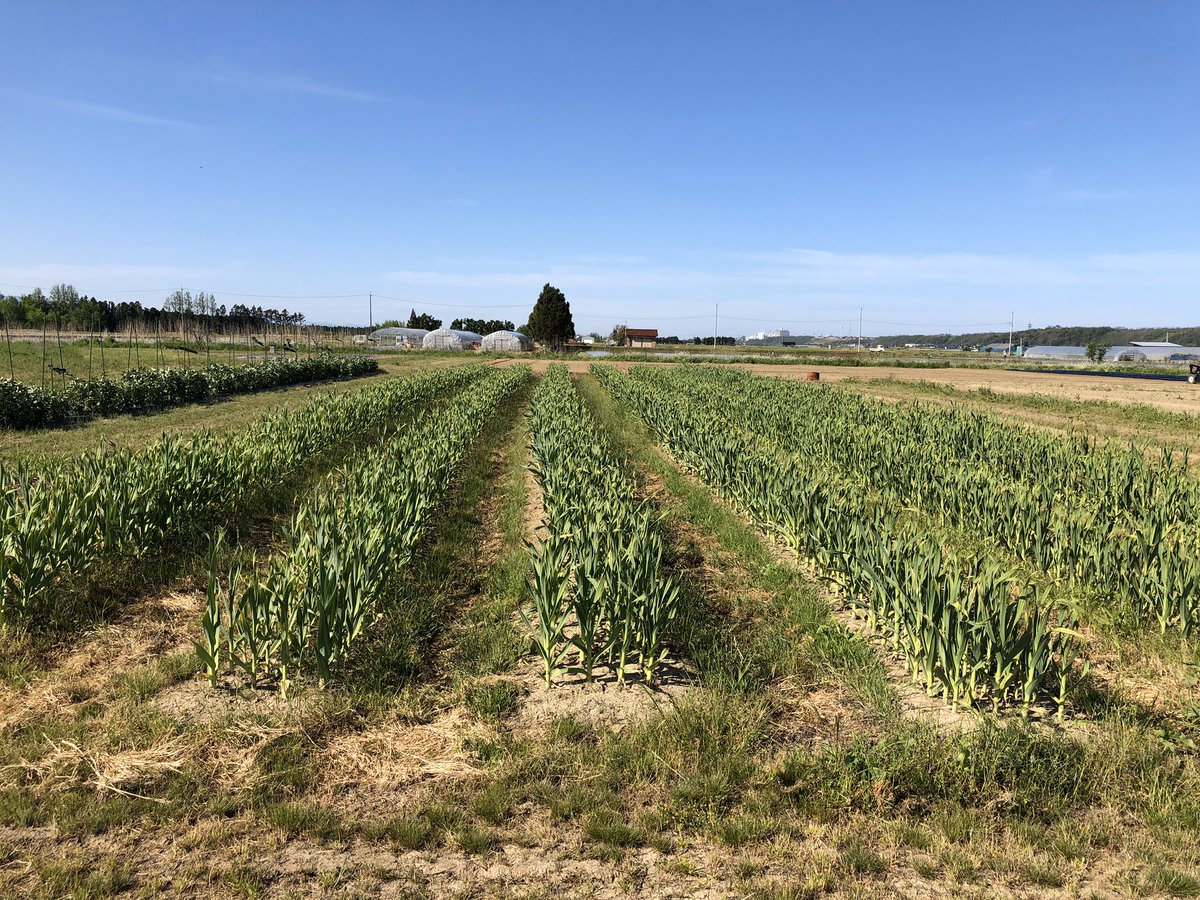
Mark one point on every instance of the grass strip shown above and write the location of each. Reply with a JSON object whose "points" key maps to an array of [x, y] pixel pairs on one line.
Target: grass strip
{"points": [[740, 647], [446, 577]]}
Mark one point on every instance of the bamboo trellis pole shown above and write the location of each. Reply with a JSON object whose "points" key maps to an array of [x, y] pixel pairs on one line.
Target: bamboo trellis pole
{"points": [[12, 372], [62, 367]]}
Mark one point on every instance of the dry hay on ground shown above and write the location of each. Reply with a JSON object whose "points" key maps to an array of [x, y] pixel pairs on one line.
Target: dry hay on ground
{"points": [[146, 631], [604, 703], [398, 752], [120, 771]]}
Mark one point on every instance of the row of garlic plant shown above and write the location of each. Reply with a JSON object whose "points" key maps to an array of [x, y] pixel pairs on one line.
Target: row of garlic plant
{"points": [[357, 531], [971, 630], [598, 587], [1105, 520], [59, 525], [29, 406]]}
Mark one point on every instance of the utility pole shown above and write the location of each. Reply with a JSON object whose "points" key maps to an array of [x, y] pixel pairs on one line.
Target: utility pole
{"points": [[371, 311], [860, 329], [1012, 317], [716, 307]]}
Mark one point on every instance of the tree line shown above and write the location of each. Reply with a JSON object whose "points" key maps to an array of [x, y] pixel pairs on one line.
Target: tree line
{"points": [[1053, 335], [65, 308], [430, 323], [550, 322]]}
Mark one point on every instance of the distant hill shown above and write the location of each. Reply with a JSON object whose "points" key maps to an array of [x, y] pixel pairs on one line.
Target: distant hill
{"points": [[1060, 335]]}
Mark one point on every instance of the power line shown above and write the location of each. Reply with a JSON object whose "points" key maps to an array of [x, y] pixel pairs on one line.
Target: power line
{"points": [[622, 316], [412, 302], [296, 296], [939, 324]]}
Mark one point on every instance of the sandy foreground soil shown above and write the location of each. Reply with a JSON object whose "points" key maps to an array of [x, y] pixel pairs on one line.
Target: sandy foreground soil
{"points": [[1168, 395]]}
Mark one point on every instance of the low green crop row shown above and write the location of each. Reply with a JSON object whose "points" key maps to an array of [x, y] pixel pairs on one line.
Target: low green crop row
{"points": [[137, 390], [599, 568], [59, 525], [970, 629], [359, 528]]}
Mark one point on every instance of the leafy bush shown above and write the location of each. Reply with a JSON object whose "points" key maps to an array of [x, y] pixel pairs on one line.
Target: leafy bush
{"points": [[139, 390]]}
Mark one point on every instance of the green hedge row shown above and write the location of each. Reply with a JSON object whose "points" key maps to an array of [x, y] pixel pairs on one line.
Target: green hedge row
{"points": [[25, 406]]}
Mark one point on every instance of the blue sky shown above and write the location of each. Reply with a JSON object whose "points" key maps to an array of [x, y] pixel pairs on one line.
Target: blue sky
{"points": [[936, 164]]}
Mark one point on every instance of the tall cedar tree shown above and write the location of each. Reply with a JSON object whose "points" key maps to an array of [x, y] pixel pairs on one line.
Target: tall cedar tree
{"points": [[424, 320], [550, 323]]}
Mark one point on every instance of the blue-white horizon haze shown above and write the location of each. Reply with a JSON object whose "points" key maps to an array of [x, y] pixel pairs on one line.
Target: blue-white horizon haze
{"points": [[940, 166]]}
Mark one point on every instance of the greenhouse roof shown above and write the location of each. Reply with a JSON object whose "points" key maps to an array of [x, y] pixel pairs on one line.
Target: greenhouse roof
{"points": [[413, 333]]}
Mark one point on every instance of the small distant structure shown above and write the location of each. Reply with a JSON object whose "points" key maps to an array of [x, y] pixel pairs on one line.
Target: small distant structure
{"points": [[778, 337], [641, 338], [506, 342], [1134, 351], [451, 339], [1127, 354], [358, 339], [400, 337], [1002, 348], [1054, 352]]}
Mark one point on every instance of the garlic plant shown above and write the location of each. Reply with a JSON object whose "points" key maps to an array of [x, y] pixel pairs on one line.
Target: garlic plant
{"points": [[358, 529], [600, 566], [1111, 522], [969, 627], [59, 526]]}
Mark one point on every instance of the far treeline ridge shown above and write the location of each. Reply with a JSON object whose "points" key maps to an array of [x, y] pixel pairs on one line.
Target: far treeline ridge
{"points": [[66, 308], [1051, 336]]}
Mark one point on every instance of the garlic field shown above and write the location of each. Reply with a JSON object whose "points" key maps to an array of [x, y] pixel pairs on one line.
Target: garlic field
{"points": [[631, 631]]}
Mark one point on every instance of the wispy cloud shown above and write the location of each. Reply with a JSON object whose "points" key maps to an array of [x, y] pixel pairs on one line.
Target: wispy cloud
{"points": [[806, 266], [1100, 195], [811, 272], [282, 83], [98, 110], [91, 278], [619, 259], [1041, 175], [824, 267]]}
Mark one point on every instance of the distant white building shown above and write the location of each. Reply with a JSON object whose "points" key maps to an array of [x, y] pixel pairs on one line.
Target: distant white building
{"points": [[506, 342], [777, 336]]}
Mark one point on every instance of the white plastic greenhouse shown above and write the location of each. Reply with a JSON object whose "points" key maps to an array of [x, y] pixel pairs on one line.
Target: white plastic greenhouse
{"points": [[451, 339], [506, 342], [401, 337]]}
